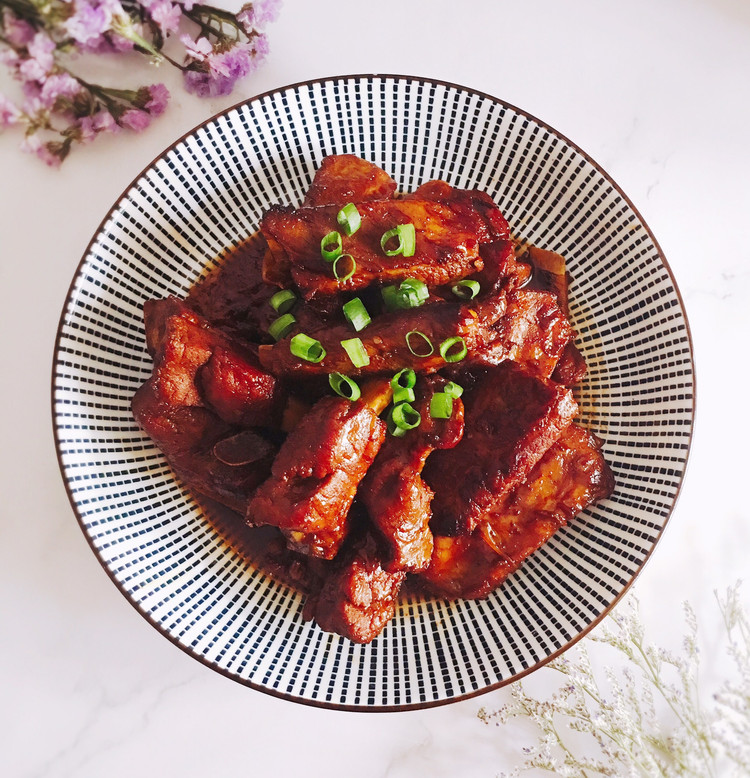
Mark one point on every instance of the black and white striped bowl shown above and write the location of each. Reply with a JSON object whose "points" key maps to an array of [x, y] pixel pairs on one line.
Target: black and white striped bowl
{"points": [[204, 195]]}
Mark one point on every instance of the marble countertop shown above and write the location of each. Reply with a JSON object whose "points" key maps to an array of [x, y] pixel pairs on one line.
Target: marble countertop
{"points": [[657, 93]]}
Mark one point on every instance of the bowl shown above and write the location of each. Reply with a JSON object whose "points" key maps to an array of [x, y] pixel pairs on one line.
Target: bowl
{"points": [[174, 559]]}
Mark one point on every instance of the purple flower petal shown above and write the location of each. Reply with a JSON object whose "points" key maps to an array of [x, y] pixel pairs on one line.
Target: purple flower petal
{"points": [[135, 120]]}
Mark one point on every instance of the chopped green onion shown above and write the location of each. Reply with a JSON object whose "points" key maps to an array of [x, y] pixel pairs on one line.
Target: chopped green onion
{"points": [[390, 295], [417, 286], [405, 378], [417, 334], [344, 386], [283, 301], [466, 289], [281, 327], [450, 353], [349, 219], [330, 246], [403, 386], [405, 417], [356, 352], [337, 272], [403, 394], [397, 432], [441, 405], [356, 314], [307, 348], [410, 293], [406, 236], [453, 389]]}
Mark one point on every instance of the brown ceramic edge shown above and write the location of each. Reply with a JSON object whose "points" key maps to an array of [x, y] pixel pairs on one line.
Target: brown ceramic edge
{"points": [[372, 708]]}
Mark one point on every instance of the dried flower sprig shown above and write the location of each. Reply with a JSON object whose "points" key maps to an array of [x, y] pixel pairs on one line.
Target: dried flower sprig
{"points": [[41, 39], [648, 719]]}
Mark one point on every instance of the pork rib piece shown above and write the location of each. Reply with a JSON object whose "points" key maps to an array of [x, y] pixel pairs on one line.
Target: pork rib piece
{"points": [[344, 178], [316, 474], [201, 403], [393, 492], [447, 244], [570, 476], [511, 419], [385, 340], [358, 597]]}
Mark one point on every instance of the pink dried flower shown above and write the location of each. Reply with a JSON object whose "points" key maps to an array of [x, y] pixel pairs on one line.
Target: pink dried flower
{"points": [[88, 22], [197, 49], [41, 59], [135, 120], [56, 86], [166, 15], [9, 112], [157, 103], [18, 32], [33, 144], [220, 72], [258, 14]]}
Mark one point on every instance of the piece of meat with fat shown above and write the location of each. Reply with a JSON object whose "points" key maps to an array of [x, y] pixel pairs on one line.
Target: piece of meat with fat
{"points": [[393, 492], [359, 596], [511, 419], [446, 249], [205, 394], [570, 476], [533, 332], [345, 178], [388, 342], [316, 474]]}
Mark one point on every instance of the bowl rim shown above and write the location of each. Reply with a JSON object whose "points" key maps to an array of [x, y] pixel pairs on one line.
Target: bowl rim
{"points": [[318, 703]]}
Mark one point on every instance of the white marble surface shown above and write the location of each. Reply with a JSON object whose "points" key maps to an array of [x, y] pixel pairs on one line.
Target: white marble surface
{"points": [[658, 93]]}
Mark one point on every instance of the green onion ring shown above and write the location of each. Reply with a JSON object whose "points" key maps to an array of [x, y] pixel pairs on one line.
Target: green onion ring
{"points": [[281, 327], [417, 333], [344, 386], [356, 314], [356, 352], [307, 348], [466, 289], [336, 271], [283, 301], [441, 405], [331, 246], [450, 343], [405, 417], [349, 219]]}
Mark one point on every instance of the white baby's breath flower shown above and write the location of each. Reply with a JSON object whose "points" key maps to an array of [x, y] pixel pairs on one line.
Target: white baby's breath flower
{"points": [[646, 718]]}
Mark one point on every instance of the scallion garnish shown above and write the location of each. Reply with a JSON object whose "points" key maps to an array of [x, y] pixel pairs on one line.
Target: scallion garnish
{"points": [[403, 386], [453, 349], [349, 219], [331, 246], [405, 417], [441, 405], [405, 378], [415, 286], [453, 389], [406, 237], [427, 344], [403, 394], [410, 293], [344, 386], [307, 348], [466, 289], [339, 270], [283, 301], [281, 327], [356, 314], [356, 352]]}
